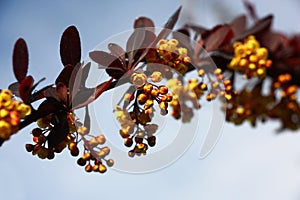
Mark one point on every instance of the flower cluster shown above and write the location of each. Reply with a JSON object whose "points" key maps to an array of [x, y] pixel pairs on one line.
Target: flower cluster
{"points": [[168, 53], [11, 113], [250, 58], [94, 156], [135, 128], [135, 124], [182, 94], [77, 133]]}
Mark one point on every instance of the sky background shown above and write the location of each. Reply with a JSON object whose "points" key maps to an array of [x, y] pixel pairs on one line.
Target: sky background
{"points": [[246, 164]]}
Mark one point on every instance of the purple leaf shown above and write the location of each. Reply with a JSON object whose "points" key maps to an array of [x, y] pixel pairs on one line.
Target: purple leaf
{"points": [[70, 48], [25, 89], [20, 60], [144, 22], [117, 51], [96, 93], [260, 26], [239, 25], [251, 10], [105, 59], [134, 43], [14, 88], [219, 36], [65, 75], [169, 25]]}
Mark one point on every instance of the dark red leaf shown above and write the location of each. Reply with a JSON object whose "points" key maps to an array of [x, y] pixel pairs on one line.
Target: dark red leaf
{"points": [[70, 48], [219, 36], [20, 60], [251, 10], [168, 27], [115, 72], [105, 59], [271, 40], [239, 25], [144, 22], [75, 81], [117, 51], [82, 96], [96, 93], [14, 88], [260, 26], [62, 92], [65, 75], [40, 93], [50, 105], [173, 19], [36, 84], [51, 93], [25, 89], [134, 43]]}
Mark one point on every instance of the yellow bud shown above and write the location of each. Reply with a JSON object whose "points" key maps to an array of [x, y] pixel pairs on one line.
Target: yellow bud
{"points": [[262, 53], [156, 76], [138, 79]]}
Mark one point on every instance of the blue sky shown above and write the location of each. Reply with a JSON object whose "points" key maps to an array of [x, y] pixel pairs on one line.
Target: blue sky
{"points": [[246, 163]]}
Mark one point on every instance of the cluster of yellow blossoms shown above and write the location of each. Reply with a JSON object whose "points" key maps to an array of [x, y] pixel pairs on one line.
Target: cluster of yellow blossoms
{"points": [[168, 53], [11, 112], [250, 59], [94, 154], [135, 124], [182, 94]]}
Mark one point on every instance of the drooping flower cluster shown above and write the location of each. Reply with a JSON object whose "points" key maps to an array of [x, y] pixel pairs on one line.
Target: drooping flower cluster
{"points": [[135, 124], [77, 133], [11, 113], [250, 58]]}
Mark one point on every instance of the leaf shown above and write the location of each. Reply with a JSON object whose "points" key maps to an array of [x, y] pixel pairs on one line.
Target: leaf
{"points": [[169, 25], [70, 48], [144, 22], [105, 59], [20, 60], [60, 130], [62, 92], [85, 73], [49, 106], [261, 25], [75, 81], [14, 88], [115, 72], [173, 19], [251, 10], [239, 25], [39, 94], [134, 43], [65, 75], [82, 96], [25, 89], [96, 93], [117, 51], [219, 36]]}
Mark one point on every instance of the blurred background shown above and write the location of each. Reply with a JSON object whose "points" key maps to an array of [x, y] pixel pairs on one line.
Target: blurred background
{"points": [[247, 163]]}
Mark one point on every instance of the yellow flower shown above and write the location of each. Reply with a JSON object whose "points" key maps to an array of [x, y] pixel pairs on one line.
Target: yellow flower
{"points": [[5, 130], [138, 80]]}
